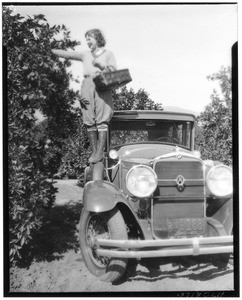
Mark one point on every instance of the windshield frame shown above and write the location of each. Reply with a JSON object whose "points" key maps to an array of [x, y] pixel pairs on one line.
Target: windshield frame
{"points": [[175, 123]]}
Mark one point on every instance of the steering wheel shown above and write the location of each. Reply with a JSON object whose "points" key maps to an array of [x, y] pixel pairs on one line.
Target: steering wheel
{"points": [[167, 139]]}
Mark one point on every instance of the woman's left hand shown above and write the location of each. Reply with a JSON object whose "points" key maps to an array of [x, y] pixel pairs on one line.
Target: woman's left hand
{"points": [[97, 64], [97, 73]]}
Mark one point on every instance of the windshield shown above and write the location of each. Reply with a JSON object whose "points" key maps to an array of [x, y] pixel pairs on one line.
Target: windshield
{"points": [[128, 131]]}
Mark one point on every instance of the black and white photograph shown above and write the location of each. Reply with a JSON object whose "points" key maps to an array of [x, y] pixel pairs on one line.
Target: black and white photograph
{"points": [[120, 149]]}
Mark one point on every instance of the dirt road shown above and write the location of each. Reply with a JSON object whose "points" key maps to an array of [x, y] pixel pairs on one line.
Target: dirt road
{"points": [[57, 264]]}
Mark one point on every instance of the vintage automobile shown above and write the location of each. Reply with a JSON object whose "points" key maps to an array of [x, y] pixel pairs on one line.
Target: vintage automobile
{"points": [[154, 196]]}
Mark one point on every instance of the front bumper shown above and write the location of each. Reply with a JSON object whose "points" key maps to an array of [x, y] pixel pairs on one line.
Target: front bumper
{"points": [[164, 248]]}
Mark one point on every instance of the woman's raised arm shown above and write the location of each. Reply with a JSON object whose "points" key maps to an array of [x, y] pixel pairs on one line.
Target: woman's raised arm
{"points": [[75, 55]]}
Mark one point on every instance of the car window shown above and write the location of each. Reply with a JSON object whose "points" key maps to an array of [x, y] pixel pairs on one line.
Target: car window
{"points": [[125, 132]]}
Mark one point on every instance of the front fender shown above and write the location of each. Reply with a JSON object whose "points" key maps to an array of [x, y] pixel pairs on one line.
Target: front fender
{"points": [[100, 195], [222, 210]]}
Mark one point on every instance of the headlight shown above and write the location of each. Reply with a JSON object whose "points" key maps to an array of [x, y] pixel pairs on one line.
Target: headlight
{"points": [[220, 181], [113, 154], [141, 181]]}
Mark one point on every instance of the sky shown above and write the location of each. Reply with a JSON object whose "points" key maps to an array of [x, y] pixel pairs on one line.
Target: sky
{"points": [[169, 49]]}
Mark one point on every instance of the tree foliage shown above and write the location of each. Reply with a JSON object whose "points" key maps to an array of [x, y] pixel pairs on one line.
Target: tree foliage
{"points": [[75, 151], [125, 99], [216, 120], [35, 80]]}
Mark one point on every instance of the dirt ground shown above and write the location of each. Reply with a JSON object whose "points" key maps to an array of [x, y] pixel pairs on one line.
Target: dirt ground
{"points": [[57, 265]]}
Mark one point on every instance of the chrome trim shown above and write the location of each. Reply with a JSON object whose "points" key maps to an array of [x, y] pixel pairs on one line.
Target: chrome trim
{"points": [[162, 253], [178, 198], [113, 167], [163, 243], [120, 174], [172, 179], [204, 190], [190, 246], [174, 154], [187, 182]]}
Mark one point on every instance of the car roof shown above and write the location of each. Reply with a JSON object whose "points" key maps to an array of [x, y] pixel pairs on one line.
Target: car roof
{"points": [[153, 115]]}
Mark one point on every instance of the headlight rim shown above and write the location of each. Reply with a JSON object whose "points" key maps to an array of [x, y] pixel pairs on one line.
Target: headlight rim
{"points": [[208, 183], [143, 166]]}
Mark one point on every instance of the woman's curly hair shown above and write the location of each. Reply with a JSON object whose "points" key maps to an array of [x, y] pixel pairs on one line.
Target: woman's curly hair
{"points": [[97, 34]]}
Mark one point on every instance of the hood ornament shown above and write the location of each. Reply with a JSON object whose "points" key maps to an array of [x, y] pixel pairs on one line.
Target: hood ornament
{"points": [[178, 156]]}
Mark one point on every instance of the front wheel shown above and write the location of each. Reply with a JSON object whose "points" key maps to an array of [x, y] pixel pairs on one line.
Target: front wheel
{"points": [[109, 225]]}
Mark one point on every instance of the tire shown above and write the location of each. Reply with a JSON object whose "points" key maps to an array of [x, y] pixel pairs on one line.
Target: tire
{"points": [[109, 225], [220, 260]]}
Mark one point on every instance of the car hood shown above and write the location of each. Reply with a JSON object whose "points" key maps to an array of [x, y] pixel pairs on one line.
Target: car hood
{"points": [[144, 153]]}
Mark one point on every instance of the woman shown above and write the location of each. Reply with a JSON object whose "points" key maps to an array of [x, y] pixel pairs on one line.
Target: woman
{"points": [[98, 108]]}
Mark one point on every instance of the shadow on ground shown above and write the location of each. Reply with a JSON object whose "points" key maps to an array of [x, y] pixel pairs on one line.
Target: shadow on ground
{"points": [[153, 269], [57, 234]]}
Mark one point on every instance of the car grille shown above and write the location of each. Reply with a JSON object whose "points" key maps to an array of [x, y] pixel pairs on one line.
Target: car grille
{"points": [[180, 192]]}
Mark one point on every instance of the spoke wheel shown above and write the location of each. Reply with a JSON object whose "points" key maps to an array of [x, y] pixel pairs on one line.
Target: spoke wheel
{"points": [[107, 225], [97, 228]]}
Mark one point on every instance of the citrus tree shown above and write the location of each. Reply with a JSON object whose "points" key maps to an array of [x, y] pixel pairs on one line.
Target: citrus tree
{"points": [[216, 120], [34, 81]]}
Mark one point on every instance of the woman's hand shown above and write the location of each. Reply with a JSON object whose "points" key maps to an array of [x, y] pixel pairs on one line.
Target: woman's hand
{"points": [[95, 74], [97, 64]]}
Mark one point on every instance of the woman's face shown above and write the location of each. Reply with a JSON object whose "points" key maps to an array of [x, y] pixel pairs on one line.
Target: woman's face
{"points": [[91, 42]]}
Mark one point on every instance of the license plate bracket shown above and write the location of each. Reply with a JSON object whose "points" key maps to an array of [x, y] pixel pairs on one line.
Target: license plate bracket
{"points": [[186, 227]]}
